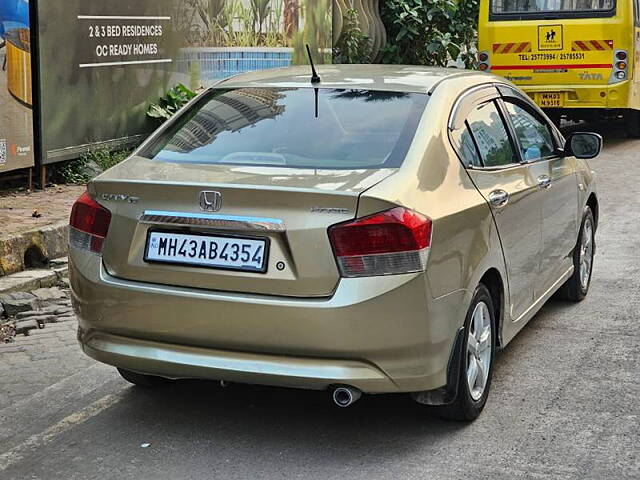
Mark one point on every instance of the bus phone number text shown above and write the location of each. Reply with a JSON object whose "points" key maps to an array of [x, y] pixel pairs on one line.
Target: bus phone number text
{"points": [[535, 57]]}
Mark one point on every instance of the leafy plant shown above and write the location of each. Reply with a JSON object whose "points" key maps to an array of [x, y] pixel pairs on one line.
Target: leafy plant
{"points": [[105, 158], [232, 23], [260, 10], [353, 46], [173, 101], [89, 165], [430, 32], [72, 172]]}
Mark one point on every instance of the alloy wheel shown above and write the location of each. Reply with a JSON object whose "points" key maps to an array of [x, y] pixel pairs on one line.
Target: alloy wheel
{"points": [[479, 347], [586, 253]]}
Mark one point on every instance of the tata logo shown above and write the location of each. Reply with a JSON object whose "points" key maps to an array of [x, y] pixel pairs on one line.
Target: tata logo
{"points": [[590, 76], [210, 201]]}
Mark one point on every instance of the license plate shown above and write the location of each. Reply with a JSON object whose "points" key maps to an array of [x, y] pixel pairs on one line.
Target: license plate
{"points": [[550, 100], [209, 251]]}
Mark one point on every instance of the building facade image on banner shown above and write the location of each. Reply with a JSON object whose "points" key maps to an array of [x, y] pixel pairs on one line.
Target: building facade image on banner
{"points": [[16, 114], [101, 63]]}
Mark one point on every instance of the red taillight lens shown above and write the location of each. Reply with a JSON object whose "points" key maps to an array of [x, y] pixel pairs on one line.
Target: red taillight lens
{"points": [[89, 224], [387, 243]]}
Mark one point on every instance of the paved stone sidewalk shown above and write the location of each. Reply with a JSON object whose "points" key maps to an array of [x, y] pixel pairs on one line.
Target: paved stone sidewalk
{"points": [[45, 350], [32, 363]]}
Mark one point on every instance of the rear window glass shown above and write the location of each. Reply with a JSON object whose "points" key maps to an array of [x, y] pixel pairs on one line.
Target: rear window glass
{"points": [[294, 127], [540, 6]]}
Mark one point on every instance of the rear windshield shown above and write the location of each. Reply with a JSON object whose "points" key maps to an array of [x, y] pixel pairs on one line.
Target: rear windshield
{"points": [[294, 127], [562, 7]]}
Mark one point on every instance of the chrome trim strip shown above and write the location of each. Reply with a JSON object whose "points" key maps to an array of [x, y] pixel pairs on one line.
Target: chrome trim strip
{"points": [[220, 222]]}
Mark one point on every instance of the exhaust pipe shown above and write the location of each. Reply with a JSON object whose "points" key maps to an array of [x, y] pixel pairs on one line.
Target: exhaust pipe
{"points": [[346, 396]]}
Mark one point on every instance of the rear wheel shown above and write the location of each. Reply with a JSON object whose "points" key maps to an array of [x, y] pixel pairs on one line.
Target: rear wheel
{"points": [[142, 380], [477, 361], [632, 123], [577, 287]]}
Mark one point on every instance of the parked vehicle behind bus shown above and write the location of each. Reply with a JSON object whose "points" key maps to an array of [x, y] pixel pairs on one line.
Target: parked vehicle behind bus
{"points": [[575, 58]]}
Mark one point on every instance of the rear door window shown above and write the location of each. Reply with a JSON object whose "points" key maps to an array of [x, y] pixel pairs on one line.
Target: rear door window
{"points": [[294, 127], [467, 147], [534, 136], [491, 137]]}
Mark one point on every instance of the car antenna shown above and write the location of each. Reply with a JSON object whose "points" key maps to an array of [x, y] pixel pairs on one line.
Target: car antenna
{"points": [[315, 78]]}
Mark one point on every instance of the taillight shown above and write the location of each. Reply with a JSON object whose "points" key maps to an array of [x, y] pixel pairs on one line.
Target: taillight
{"points": [[621, 67], [89, 224], [387, 243], [484, 64]]}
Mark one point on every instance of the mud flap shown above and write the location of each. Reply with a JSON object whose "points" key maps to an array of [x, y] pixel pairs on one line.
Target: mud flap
{"points": [[446, 395]]}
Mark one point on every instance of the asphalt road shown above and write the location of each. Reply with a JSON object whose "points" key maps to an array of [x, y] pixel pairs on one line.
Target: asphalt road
{"points": [[564, 402]]}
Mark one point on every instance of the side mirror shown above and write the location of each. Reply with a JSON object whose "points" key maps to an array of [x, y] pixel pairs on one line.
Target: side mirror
{"points": [[583, 145]]}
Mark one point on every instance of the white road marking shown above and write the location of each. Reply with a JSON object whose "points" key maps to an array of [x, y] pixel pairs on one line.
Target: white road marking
{"points": [[48, 403], [38, 440]]}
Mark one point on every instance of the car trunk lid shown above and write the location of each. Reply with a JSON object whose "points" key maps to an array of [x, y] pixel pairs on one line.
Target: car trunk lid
{"points": [[291, 208]]}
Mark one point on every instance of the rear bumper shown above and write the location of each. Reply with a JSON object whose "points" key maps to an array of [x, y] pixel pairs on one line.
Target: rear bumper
{"points": [[177, 361], [380, 335], [586, 96]]}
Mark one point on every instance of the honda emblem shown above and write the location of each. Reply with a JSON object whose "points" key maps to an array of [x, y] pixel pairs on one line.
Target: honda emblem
{"points": [[210, 201]]}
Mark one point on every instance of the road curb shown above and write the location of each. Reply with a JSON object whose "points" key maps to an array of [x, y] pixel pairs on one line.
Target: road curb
{"points": [[29, 280], [17, 251]]}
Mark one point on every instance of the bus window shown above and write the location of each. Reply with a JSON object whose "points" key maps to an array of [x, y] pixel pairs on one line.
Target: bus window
{"points": [[563, 7]]}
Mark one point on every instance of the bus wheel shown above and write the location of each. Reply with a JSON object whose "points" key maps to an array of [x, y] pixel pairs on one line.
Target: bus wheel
{"points": [[632, 123]]}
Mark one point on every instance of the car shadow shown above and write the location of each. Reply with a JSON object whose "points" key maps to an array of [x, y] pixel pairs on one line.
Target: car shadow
{"points": [[273, 415]]}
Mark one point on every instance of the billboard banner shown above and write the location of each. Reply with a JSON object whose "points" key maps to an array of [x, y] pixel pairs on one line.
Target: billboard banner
{"points": [[101, 63], [16, 114]]}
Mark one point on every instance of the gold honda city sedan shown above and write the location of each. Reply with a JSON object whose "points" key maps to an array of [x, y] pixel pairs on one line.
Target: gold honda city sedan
{"points": [[382, 230]]}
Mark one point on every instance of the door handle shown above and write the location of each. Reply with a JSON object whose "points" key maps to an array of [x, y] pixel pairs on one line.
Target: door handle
{"points": [[498, 198], [544, 181]]}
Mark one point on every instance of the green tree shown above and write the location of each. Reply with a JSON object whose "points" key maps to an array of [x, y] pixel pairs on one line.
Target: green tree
{"points": [[353, 46], [430, 32]]}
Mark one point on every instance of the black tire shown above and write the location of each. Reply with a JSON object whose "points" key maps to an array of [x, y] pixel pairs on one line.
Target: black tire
{"points": [[574, 289], [465, 408], [142, 380], [632, 123]]}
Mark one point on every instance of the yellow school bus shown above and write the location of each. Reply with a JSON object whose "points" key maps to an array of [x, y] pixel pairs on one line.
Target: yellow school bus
{"points": [[575, 58]]}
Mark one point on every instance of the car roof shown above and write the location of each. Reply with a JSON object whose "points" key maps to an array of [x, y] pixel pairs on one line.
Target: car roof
{"points": [[397, 78]]}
